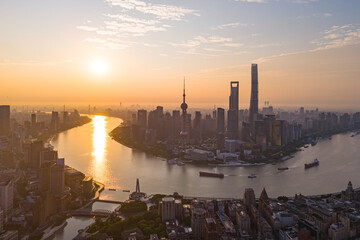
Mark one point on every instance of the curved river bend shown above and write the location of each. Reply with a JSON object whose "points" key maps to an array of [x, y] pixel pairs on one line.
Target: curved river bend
{"points": [[89, 149]]}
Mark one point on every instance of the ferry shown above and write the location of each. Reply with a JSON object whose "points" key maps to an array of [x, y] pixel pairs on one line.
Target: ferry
{"points": [[283, 168], [172, 161], [211, 174], [112, 189], [313, 164], [252, 176], [126, 190], [180, 163]]}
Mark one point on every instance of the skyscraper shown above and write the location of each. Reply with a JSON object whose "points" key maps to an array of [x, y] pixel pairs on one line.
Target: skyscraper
{"points": [[254, 99], [4, 120], [220, 123], [167, 209], [33, 119], [57, 177], [54, 124], [197, 126], [233, 113], [142, 118]]}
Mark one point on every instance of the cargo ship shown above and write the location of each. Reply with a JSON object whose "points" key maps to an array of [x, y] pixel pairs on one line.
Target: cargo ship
{"points": [[210, 174], [283, 168], [313, 164]]}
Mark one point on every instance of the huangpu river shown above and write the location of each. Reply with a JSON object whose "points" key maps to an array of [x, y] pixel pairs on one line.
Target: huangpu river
{"points": [[90, 149]]}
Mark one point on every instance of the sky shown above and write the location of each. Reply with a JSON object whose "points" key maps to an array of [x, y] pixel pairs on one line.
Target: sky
{"points": [[137, 51]]}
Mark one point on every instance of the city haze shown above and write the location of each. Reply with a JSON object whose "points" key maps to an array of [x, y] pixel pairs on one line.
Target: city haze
{"points": [[107, 52]]}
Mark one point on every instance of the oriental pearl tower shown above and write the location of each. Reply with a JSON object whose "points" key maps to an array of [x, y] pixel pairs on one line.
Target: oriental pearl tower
{"points": [[184, 133]]}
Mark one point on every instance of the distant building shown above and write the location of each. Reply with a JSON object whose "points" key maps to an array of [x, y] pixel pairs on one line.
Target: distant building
{"points": [[45, 176], [230, 145], [142, 118], [57, 179], [73, 179], [254, 99], [33, 119], [4, 120], [55, 122], [199, 155], [233, 113], [197, 126], [6, 196], [249, 197], [220, 123], [34, 154], [65, 117]]}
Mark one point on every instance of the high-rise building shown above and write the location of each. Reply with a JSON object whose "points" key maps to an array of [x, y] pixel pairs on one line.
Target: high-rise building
{"points": [[197, 125], [278, 133], [176, 124], [233, 113], [220, 123], [4, 120], [45, 176], [198, 222], [65, 117], [254, 99], [34, 154], [57, 177], [6, 196], [33, 119], [54, 124], [249, 197], [211, 232], [167, 209], [142, 118]]}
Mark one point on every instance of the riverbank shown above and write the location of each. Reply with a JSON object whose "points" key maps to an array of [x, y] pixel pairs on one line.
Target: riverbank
{"points": [[78, 123], [272, 155], [118, 134], [50, 232]]}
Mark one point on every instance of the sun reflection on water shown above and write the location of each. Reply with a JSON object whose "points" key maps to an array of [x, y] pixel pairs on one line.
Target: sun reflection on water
{"points": [[99, 162]]}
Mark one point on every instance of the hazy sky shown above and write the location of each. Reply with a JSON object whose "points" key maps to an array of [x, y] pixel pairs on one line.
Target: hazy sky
{"points": [[135, 51]]}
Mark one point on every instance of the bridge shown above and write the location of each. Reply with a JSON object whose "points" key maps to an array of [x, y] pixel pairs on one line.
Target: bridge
{"points": [[89, 213], [108, 201]]}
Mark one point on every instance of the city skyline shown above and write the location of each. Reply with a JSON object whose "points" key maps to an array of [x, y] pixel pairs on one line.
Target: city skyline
{"points": [[99, 52]]}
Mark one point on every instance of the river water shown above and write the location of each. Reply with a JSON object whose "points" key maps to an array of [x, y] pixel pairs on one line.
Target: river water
{"points": [[89, 149]]}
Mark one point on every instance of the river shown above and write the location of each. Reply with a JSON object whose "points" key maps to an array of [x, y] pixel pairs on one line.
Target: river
{"points": [[89, 149]]}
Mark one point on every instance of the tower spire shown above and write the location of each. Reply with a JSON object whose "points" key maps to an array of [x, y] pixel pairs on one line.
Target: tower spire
{"points": [[184, 90]]}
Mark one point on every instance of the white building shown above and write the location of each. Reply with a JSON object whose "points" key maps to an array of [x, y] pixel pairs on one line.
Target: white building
{"points": [[230, 145], [199, 155]]}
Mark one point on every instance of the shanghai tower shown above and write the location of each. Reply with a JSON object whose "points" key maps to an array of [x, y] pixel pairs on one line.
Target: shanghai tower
{"points": [[254, 99]]}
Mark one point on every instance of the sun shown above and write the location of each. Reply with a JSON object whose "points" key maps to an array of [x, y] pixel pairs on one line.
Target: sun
{"points": [[99, 67]]}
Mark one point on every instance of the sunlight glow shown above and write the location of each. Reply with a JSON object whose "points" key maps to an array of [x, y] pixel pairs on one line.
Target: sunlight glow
{"points": [[99, 148], [99, 67]]}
